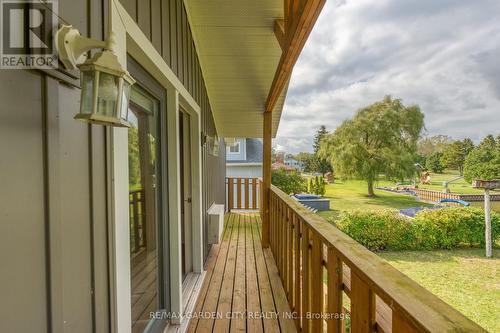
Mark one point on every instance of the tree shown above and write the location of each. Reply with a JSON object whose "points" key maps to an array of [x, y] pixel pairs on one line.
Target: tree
{"points": [[288, 182], [316, 185], [484, 161], [434, 164], [318, 163], [320, 135], [307, 160], [455, 153], [433, 144], [380, 139]]}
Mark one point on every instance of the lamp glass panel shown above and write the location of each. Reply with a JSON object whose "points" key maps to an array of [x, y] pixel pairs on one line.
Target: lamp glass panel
{"points": [[107, 97], [125, 100], [88, 81]]}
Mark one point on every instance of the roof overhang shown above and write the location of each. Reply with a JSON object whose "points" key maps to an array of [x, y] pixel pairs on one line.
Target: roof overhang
{"points": [[239, 54]]}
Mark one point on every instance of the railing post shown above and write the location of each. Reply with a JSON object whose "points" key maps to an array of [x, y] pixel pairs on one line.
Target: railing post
{"points": [[266, 175]]}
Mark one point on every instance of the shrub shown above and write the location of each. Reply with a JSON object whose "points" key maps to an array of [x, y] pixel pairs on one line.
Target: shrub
{"points": [[451, 227], [288, 182], [377, 230], [316, 185], [431, 229]]}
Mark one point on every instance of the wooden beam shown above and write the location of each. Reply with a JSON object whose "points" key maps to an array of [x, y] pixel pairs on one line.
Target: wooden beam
{"points": [[305, 14], [266, 177], [279, 31]]}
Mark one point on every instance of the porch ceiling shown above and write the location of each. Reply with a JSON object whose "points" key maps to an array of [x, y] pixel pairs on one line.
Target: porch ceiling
{"points": [[239, 54]]}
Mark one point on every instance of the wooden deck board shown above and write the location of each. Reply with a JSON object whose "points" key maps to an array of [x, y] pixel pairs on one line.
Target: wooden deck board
{"points": [[241, 284], [205, 323], [238, 323]]}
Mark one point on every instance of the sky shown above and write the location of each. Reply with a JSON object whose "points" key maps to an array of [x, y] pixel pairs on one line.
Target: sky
{"points": [[443, 55]]}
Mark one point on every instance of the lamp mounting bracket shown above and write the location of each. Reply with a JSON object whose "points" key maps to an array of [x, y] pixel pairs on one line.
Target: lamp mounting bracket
{"points": [[73, 47]]}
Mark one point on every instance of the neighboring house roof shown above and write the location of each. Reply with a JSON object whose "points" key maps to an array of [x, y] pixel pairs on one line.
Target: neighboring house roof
{"points": [[254, 152]]}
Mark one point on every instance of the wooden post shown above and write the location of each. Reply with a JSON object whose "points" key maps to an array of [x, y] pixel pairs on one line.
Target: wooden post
{"points": [[266, 176], [487, 220], [487, 185]]}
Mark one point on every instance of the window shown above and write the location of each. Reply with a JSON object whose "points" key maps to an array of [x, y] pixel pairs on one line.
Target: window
{"points": [[234, 149]]}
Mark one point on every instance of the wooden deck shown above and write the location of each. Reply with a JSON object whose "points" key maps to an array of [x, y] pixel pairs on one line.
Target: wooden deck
{"points": [[242, 291]]}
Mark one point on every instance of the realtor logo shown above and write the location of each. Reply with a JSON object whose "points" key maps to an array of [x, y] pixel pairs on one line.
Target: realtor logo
{"points": [[27, 34]]}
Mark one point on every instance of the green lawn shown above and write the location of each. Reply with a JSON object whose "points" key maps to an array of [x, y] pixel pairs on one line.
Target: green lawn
{"points": [[459, 186], [353, 195], [462, 278]]}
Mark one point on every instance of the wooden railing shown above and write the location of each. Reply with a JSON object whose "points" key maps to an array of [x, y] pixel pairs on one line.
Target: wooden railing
{"points": [[435, 196], [324, 271], [137, 207], [243, 193]]}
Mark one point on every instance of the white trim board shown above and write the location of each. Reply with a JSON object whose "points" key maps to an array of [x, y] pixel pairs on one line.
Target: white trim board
{"points": [[242, 164]]}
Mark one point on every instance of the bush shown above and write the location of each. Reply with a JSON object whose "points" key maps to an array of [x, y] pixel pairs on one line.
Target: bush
{"points": [[377, 230], [288, 182], [451, 227], [431, 229], [316, 185]]}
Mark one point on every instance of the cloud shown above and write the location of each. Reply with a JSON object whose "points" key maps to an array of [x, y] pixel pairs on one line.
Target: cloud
{"points": [[442, 55]]}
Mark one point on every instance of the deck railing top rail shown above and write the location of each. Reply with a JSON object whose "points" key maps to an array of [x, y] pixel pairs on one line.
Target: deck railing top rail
{"points": [[414, 308]]}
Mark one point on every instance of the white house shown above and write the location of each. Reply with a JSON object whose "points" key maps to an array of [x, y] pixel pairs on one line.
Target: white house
{"points": [[244, 158], [293, 163]]}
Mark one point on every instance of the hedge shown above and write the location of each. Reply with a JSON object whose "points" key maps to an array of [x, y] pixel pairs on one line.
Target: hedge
{"points": [[446, 228]]}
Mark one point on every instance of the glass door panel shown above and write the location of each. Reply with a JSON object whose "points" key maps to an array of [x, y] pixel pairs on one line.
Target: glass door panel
{"points": [[143, 161]]}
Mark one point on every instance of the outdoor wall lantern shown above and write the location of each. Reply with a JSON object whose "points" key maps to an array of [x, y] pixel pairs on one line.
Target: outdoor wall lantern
{"points": [[105, 84]]}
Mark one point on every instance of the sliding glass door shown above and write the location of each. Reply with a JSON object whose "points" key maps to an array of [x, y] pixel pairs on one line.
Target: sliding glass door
{"points": [[146, 255]]}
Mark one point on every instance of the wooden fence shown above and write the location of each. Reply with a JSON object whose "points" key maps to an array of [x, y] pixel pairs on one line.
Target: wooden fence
{"points": [[137, 207], [243, 193], [435, 196], [323, 270]]}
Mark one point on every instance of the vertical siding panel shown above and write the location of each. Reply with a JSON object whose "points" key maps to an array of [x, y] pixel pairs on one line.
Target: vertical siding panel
{"points": [[185, 57], [131, 7], [165, 26], [22, 201], [144, 16], [98, 192], [75, 215], [189, 62], [173, 35], [180, 40], [156, 29]]}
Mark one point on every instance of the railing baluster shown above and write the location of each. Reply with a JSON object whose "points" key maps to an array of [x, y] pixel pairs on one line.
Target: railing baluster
{"points": [[255, 182], [290, 257], [305, 278], [298, 269], [238, 193], [316, 284], [334, 268], [285, 246], [230, 194], [247, 193], [136, 220], [362, 306]]}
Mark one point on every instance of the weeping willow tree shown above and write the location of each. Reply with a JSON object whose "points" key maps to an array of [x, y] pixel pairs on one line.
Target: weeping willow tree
{"points": [[381, 139]]}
